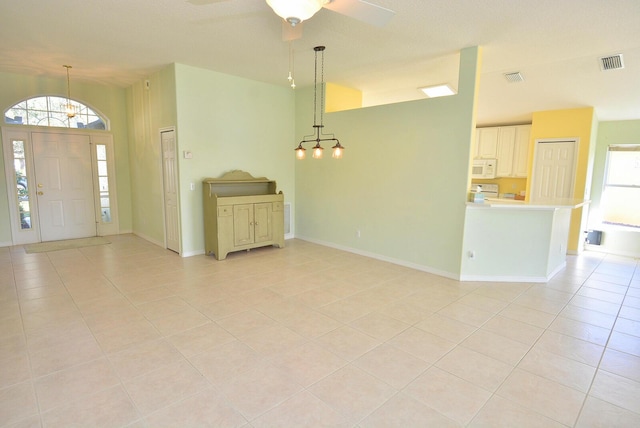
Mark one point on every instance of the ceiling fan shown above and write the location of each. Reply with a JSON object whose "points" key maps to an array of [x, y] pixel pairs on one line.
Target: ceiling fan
{"points": [[296, 11]]}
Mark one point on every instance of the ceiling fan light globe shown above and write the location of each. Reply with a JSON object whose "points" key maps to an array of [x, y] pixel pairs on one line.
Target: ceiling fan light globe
{"points": [[294, 12]]}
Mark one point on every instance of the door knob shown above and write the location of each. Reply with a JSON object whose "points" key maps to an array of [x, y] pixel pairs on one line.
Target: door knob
{"points": [[40, 193]]}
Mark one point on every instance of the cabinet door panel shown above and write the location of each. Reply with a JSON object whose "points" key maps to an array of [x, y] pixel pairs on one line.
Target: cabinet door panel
{"points": [[487, 143], [521, 151], [504, 156], [262, 216], [243, 224]]}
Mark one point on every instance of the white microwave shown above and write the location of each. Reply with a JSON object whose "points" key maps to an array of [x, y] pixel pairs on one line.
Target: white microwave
{"points": [[484, 168]]}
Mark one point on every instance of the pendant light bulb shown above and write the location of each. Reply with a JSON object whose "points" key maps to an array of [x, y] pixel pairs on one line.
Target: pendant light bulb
{"points": [[317, 151], [338, 150]]}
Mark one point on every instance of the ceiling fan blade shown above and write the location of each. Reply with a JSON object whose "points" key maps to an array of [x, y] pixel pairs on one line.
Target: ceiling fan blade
{"points": [[204, 2], [362, 11], [290, 32]]}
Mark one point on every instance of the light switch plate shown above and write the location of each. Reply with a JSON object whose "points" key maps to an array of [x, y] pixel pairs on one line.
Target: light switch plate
{"points": [[188, 154]]}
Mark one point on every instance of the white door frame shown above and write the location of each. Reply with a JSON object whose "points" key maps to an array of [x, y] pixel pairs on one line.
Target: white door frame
{"points": [[573, 140], [165, 218], [21, 236]]}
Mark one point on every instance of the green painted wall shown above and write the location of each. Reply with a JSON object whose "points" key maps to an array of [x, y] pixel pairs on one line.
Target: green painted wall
{"points": [[229, 123], [613, 132], [110, 101], [150, 108], [403, 179]]}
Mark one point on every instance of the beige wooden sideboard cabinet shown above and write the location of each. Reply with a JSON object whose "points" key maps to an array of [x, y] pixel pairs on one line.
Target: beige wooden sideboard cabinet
{"points": [[241, 212]]}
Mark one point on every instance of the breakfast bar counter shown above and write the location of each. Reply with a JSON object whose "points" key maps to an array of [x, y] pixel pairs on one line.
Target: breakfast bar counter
{"points": [[516, 241]]}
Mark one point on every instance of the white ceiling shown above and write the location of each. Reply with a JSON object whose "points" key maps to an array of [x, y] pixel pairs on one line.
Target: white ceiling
{"points": [[555, 44]]}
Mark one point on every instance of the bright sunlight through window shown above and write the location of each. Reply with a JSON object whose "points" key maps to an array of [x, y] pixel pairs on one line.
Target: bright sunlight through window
{"points": [[621, 195], [51, 111]]}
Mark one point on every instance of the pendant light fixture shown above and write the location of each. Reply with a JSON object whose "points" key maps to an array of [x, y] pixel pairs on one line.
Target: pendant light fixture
{"points": [[317, 135], [294, 12], [69, 109]]}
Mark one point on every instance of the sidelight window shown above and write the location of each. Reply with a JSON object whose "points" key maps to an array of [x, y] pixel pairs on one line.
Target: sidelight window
{"points": [[22, 184], [103, 183]]}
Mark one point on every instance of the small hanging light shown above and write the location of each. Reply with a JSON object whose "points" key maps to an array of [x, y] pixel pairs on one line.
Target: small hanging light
{"points": [[70, 108], [300, 152], [338, 149]]}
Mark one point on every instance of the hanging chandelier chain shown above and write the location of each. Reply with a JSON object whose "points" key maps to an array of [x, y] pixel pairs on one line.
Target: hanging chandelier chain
{"points": [[69, 108], [68, 83], [315, 89], [322, 88]]}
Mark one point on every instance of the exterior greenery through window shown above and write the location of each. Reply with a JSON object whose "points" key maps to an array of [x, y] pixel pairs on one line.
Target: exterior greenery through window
{"points": [[621, 194], [22, 187], [103, 183], [51, 111]]}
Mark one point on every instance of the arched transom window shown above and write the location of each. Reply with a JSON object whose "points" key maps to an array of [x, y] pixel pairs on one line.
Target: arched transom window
{"points": [[50, 110]]}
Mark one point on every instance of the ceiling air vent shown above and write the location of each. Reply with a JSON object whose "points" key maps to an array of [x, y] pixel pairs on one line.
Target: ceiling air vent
{"points": [[613, 62], [513, 77]]}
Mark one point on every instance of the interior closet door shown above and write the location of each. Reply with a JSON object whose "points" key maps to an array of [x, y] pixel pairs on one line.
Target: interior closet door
{"points": [[554, 170], [170, 189]]}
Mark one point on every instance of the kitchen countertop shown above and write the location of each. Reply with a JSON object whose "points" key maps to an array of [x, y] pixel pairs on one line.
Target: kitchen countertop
{"points": [[541, 204]]}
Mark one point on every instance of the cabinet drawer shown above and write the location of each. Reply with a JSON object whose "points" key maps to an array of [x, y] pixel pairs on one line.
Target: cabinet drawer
{"points": [[225, 211], [278, 206]]}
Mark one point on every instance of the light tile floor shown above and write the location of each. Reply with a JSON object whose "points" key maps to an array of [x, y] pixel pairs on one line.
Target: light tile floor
{"points": [[129, 334]]}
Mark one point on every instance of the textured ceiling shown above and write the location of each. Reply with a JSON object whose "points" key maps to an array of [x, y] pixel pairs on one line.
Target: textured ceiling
{"points": [[554, 44]]}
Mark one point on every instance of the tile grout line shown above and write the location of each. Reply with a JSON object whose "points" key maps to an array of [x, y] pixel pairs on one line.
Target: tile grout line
{"points": [[605, 347]]}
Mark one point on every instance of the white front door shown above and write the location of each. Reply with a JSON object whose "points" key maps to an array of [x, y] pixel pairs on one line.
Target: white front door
{"points": [[64, 186], [554, 169], [170, 184]]}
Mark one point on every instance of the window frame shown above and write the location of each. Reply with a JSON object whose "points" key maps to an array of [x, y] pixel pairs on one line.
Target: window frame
{"points": [[59, 116], [607, 184]]}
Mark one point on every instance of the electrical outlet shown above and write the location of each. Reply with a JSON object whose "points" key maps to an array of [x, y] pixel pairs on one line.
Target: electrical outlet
{"points": [[358, 235], [472, 255]]}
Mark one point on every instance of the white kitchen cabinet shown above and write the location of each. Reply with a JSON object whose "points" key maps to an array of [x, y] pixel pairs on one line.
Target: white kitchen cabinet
{"points": [[521, 151], [504, 154], [241, 212], [511, 148], [486, 143]]}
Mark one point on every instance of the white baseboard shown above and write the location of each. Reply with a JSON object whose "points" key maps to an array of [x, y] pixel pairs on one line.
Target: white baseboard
{"points": [[380, 257], [507, 278], [6, 244], [495, 278], [605, 250], [147, 238], [192, 253], [422, 268]]}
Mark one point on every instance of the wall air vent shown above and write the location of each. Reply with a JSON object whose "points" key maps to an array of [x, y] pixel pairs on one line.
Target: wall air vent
{"points": [[514, 77], [287, 220], [612, 62]]}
